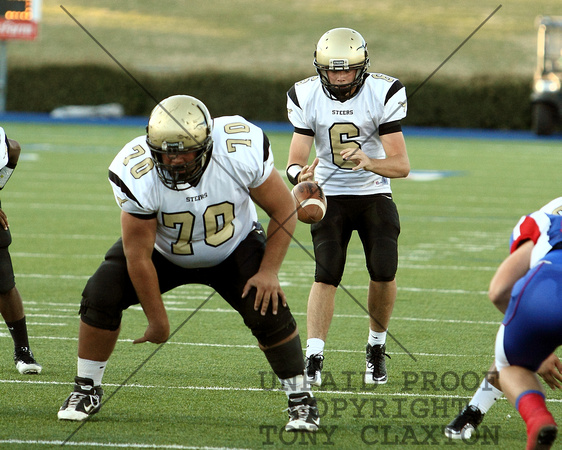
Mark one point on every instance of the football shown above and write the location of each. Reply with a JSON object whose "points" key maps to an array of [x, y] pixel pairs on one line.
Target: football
{"points": [[310, 202]]}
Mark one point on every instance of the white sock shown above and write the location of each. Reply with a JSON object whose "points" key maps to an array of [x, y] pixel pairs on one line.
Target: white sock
{"points": [[314, 346], [295, 385], [91, 369], [485, 396], [376, 337]]}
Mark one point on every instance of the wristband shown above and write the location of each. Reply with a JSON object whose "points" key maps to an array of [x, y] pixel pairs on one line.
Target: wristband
{"points": [[5, 174], [293, 172]]}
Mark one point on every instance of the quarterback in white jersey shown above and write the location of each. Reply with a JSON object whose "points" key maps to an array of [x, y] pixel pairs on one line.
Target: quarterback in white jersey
{"points": [[186, 192], [354, 124], [353, 119]]}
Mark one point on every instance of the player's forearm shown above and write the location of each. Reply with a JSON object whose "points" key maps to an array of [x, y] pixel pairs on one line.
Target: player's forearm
{"points": [[145, 281], [510, 270], [391, 167], [299, 150], [279, 233]]}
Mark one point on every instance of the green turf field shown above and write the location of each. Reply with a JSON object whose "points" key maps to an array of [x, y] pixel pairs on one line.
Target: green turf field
{"points": [[210, 387]]}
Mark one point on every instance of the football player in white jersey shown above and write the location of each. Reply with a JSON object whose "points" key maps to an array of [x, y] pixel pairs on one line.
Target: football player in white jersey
{"points": [[353, 118], [11, 304], [185, 191], [489, 391]]}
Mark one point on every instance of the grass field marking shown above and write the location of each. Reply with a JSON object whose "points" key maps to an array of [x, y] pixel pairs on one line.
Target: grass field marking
{"points": [[53, 255], [439, 267], [54, 316], [40, 324], [254, 347], [59, 277], [295, 313], [441, 291], [346, 289], [78, 237], [112, 445], [297, 265], [61, 206], [375, 391]]}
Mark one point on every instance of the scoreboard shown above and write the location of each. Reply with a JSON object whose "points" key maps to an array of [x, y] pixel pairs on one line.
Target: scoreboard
{"points": [[15, 9], [19, 19]]}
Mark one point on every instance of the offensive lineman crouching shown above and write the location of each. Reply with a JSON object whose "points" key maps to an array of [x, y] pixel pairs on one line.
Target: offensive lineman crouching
{"points": [[214, 239]]}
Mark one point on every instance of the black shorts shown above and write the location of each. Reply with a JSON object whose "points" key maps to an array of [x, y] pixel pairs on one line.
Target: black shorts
{"points": [[376, 220], [110, 290]]}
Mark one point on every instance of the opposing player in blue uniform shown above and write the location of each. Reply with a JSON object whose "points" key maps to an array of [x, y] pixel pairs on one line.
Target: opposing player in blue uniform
{"points": [[528, 287], [489, 391]]}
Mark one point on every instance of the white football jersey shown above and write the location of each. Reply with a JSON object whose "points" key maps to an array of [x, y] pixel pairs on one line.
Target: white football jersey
{"points": [[3, 148], [200, 226], [354, 123]]}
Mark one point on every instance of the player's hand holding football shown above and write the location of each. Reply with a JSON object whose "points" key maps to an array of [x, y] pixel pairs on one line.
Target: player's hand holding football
{"points": [[268, 290], [307, 172]]}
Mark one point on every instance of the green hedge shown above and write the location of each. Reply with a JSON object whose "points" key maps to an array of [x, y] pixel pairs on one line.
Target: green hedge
{"points": [[482, 102]]}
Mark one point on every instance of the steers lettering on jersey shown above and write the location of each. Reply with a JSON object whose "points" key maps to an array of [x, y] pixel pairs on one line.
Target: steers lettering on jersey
{"points": [[355, 123], [202, 225]]}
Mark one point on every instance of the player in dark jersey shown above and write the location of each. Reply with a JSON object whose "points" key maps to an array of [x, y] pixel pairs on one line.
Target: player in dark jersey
{"points": [[11, 305]]}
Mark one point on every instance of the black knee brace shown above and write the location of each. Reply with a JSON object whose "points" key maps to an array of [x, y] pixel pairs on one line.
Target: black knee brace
{"points": [[108, 292], [271, 328], [286, 360]]}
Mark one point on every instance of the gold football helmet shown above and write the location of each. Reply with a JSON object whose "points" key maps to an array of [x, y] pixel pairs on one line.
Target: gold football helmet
{"points": [[341, 49], [180, 125]]}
